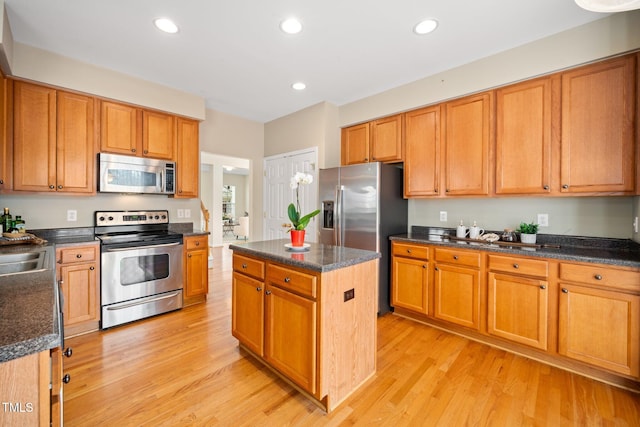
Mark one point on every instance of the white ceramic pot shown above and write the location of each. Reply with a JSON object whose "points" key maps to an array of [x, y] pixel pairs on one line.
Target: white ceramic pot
{"points": [[528, 238]]}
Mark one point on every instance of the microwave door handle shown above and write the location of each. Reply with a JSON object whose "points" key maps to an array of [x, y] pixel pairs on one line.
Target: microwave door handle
{"points": [[161, 183]]}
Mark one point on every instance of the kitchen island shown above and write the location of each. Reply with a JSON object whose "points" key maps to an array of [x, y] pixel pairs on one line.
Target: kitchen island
{"points": [[310, 316]]}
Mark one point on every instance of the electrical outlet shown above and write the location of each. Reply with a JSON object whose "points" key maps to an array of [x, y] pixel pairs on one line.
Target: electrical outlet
{"points": [[72, 215], [543, 220], [443, 216], [180, 213], [187, 213], [350, 294]]}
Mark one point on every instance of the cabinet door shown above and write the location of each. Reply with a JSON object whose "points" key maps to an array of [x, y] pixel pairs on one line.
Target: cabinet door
{"points": [[75, 143], [598, 110], [468, 133], [355, 144], [196, 272], [290, 336], [456, 295], [247, 308], [386, 139], [34, 138], [518, 309], [158, 135], [188, 158], [600, 327], [6, 144], [80, 290], [422, 152], [524, 136], [119, 129], [410, 284]]}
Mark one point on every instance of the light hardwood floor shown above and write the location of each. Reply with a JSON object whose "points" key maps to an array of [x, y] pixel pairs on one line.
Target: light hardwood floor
{"points": [[185, 368]]}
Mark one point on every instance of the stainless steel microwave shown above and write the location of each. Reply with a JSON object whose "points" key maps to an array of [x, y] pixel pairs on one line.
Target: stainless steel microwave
{"points": [[128, 174]]}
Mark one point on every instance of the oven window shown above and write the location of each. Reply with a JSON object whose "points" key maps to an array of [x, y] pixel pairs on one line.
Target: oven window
{"points": [[143, 268]]}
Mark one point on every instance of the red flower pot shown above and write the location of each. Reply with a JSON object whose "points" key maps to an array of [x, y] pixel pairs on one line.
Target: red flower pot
{"points": [[297, 237]]}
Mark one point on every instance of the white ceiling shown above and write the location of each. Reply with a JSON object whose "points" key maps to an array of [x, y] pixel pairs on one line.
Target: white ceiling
{"points": [[233, 54]]}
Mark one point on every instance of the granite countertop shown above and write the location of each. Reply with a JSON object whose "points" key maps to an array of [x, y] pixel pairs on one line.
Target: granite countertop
{"points": [[318, 257], [29, 318], [617, 252]]}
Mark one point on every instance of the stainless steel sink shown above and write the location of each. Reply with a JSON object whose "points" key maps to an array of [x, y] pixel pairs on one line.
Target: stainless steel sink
{"points": [[25, 262]]}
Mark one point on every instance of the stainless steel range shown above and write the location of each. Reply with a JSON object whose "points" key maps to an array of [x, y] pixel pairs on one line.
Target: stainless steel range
{"points": [[141, 265]]}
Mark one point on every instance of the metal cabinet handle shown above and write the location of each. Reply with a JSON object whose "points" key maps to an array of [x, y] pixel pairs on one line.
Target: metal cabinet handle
{"points": [[366, 159], [197, 243], [565, 290], [52, 187], [597, 277], [244, 265], [146, 151], [543, 287], [66, 379], [258, 289], [133, 150], [408, 251], [189, 255], [92, 268], [455, 257], [59, 187], [287, 279], [424, 265], [565, 186], [78, 255], [267, 293], [516, 266], [436, 269], [546, 187], [1, 181], [68, 352]]}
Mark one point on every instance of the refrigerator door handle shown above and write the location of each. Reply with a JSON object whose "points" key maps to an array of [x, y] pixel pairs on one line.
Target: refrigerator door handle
{"points": [[337, 229]]}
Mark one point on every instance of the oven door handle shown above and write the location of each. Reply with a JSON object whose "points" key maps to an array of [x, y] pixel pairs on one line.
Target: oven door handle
{"points": [[108, 249], [146, 301]]}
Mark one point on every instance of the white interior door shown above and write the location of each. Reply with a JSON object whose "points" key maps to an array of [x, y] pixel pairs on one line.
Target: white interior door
{"points": [[278, 171]]}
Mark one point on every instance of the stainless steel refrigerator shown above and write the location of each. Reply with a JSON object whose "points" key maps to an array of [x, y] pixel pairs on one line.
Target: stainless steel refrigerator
{"points": [[362, 205]]}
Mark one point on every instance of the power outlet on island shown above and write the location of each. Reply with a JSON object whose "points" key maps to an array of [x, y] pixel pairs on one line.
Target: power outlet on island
{"points": [[350, 294]]}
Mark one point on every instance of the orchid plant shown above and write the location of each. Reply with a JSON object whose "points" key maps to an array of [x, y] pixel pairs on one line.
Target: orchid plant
{"points": [[299, 222]]}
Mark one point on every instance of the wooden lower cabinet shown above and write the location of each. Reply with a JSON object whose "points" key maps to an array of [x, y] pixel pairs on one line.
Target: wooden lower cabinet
{"points": [[600, 325], [196, 269], [293, 320], [78, 272], [584, 317]]}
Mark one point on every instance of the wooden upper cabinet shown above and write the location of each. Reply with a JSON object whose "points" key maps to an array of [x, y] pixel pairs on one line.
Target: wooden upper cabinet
{"points": [[158, 135], [422, 152], [386, 139], [188, 158], [76, 143], [526, 129], [126, 129], [355, 144], [6, 144], [54, 140], [468, 134], [598, 116], [119, 129]]}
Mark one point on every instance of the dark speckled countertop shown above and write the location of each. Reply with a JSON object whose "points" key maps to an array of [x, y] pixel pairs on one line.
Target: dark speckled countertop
{"points": [[28, 310], [620, 252], [318, 257]]}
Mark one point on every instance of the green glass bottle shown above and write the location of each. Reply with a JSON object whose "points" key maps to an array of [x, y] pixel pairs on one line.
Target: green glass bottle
{"points": [[6, 221]]}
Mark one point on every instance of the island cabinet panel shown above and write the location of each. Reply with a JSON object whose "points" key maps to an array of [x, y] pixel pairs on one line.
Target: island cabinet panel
{"points": [[304, 325], [468, 136], [598, 116], [422, 152], [525, 131]]}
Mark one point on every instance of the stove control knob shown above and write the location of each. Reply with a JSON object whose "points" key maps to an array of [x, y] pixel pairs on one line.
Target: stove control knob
{"points": [[101, 219], [110, 218], [157, 216]]}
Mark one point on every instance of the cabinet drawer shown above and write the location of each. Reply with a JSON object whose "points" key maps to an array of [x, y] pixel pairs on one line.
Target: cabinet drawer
{"points": [[198, 242], [78, 254], [249, 266], [410, 250], [458, 257], [524, 266], [298, 282], [597, 274]]}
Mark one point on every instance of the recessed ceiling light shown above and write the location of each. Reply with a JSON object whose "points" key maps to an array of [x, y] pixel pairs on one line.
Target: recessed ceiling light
{"points": [[608, 5], [299, 86], [291, 26], [166, 25], [425, 27]]}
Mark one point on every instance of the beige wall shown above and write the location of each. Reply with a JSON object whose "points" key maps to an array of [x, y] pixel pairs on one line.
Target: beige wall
{"points": [[227, 135], [315, 126]]}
